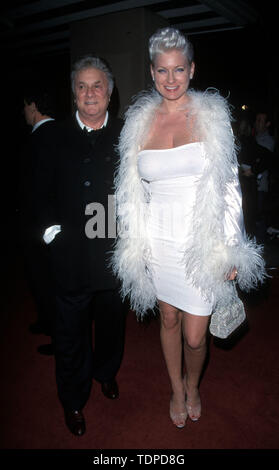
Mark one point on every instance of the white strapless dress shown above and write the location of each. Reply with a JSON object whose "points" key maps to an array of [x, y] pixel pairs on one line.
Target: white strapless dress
{"points": [[171, 176]]}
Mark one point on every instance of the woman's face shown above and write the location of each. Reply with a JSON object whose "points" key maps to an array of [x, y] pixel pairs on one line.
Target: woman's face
{"points": [[172, 73]]}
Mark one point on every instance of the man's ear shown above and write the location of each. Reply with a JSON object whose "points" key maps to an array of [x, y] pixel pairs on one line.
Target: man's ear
{"points": [[33, 107]]}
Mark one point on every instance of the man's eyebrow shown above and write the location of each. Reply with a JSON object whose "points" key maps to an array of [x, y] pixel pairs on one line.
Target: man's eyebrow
{"points": [[97, 82]]}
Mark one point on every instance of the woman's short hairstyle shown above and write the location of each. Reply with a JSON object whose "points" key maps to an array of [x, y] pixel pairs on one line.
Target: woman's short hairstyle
{"points": [[95, 63], [170, 38]]}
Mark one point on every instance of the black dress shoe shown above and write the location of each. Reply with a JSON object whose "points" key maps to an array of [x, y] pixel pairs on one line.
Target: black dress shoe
{"points": [[75, 422], [46, 349], [110, 389]]}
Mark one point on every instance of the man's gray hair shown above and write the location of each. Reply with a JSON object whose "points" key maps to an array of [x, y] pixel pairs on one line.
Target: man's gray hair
{"points": [[95, 63], [170, 38]]}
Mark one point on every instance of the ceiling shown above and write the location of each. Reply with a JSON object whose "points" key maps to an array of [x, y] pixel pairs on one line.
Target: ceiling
{"points": [[30, 28]]}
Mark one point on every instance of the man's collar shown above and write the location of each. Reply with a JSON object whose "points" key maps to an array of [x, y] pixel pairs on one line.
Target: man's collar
{"points": [[82, 125], [38, 124]]}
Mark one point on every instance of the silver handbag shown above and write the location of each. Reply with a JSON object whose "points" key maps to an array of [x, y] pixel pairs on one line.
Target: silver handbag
{"points": [[227, 318]]}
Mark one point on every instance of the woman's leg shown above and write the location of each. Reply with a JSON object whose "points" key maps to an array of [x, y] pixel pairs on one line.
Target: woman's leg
{"points": [[171, 340], [194, 329]]}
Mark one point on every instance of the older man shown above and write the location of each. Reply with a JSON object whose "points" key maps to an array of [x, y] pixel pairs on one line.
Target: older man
{"points": [[76, 178]]}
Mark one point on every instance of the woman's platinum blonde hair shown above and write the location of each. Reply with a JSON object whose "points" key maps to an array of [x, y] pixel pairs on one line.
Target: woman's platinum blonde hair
{"points": [[95, 63], [170, 38]]}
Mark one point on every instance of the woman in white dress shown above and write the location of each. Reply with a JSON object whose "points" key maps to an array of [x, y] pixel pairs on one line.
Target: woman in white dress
{"points": [[181, 237]]}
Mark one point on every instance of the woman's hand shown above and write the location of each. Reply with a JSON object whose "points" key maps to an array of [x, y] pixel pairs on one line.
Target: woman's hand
{"points": [[232, 275]]}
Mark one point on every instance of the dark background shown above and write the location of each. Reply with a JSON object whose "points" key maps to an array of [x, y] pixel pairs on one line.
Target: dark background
{"points": [[240, 63]]}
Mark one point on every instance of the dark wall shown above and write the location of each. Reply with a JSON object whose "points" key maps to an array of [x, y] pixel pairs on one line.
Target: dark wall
{"points": [[242, 64]]}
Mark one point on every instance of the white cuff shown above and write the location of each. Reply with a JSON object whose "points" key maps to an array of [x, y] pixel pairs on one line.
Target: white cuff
{"points": [[51, 232]]}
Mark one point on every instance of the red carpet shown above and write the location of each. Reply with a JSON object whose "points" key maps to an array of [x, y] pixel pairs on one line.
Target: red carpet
{"points": [[239, 390]]}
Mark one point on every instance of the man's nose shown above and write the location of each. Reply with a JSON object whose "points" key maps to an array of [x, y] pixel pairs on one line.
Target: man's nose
{"points": [[90, 91]]}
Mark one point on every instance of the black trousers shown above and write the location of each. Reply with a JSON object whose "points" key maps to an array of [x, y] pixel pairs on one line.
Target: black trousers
{"points": [[87, 349], [38, 274]]}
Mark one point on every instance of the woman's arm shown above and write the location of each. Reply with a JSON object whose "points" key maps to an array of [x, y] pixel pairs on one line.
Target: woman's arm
{"points": [[248, 263]]}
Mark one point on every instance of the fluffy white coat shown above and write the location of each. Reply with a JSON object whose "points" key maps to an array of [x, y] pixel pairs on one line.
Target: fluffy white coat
{"points": [[218, 242]]}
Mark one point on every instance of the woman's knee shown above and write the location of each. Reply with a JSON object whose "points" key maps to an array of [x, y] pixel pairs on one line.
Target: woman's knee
{"points": [[170, 319], [195, 331], [194, 341]]}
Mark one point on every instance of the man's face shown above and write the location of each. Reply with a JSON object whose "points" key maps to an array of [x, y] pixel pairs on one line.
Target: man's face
{"points": [[92, 94], [261, 123]]}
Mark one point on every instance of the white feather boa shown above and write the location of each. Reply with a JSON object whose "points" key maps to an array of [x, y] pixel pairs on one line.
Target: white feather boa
{"points": [[218, 242]]}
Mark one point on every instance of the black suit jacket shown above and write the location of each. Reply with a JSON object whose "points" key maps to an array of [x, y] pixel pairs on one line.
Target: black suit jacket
{"points": [[30, 155], [73, 173]]}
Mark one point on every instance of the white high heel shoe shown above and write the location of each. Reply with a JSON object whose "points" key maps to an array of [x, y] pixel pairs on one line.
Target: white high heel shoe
{"points": [[178, 419], [193, 410]]}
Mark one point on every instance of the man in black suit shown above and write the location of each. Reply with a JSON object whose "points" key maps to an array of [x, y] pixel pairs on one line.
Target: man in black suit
{"points": [[75, 182], [39, 114]]}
